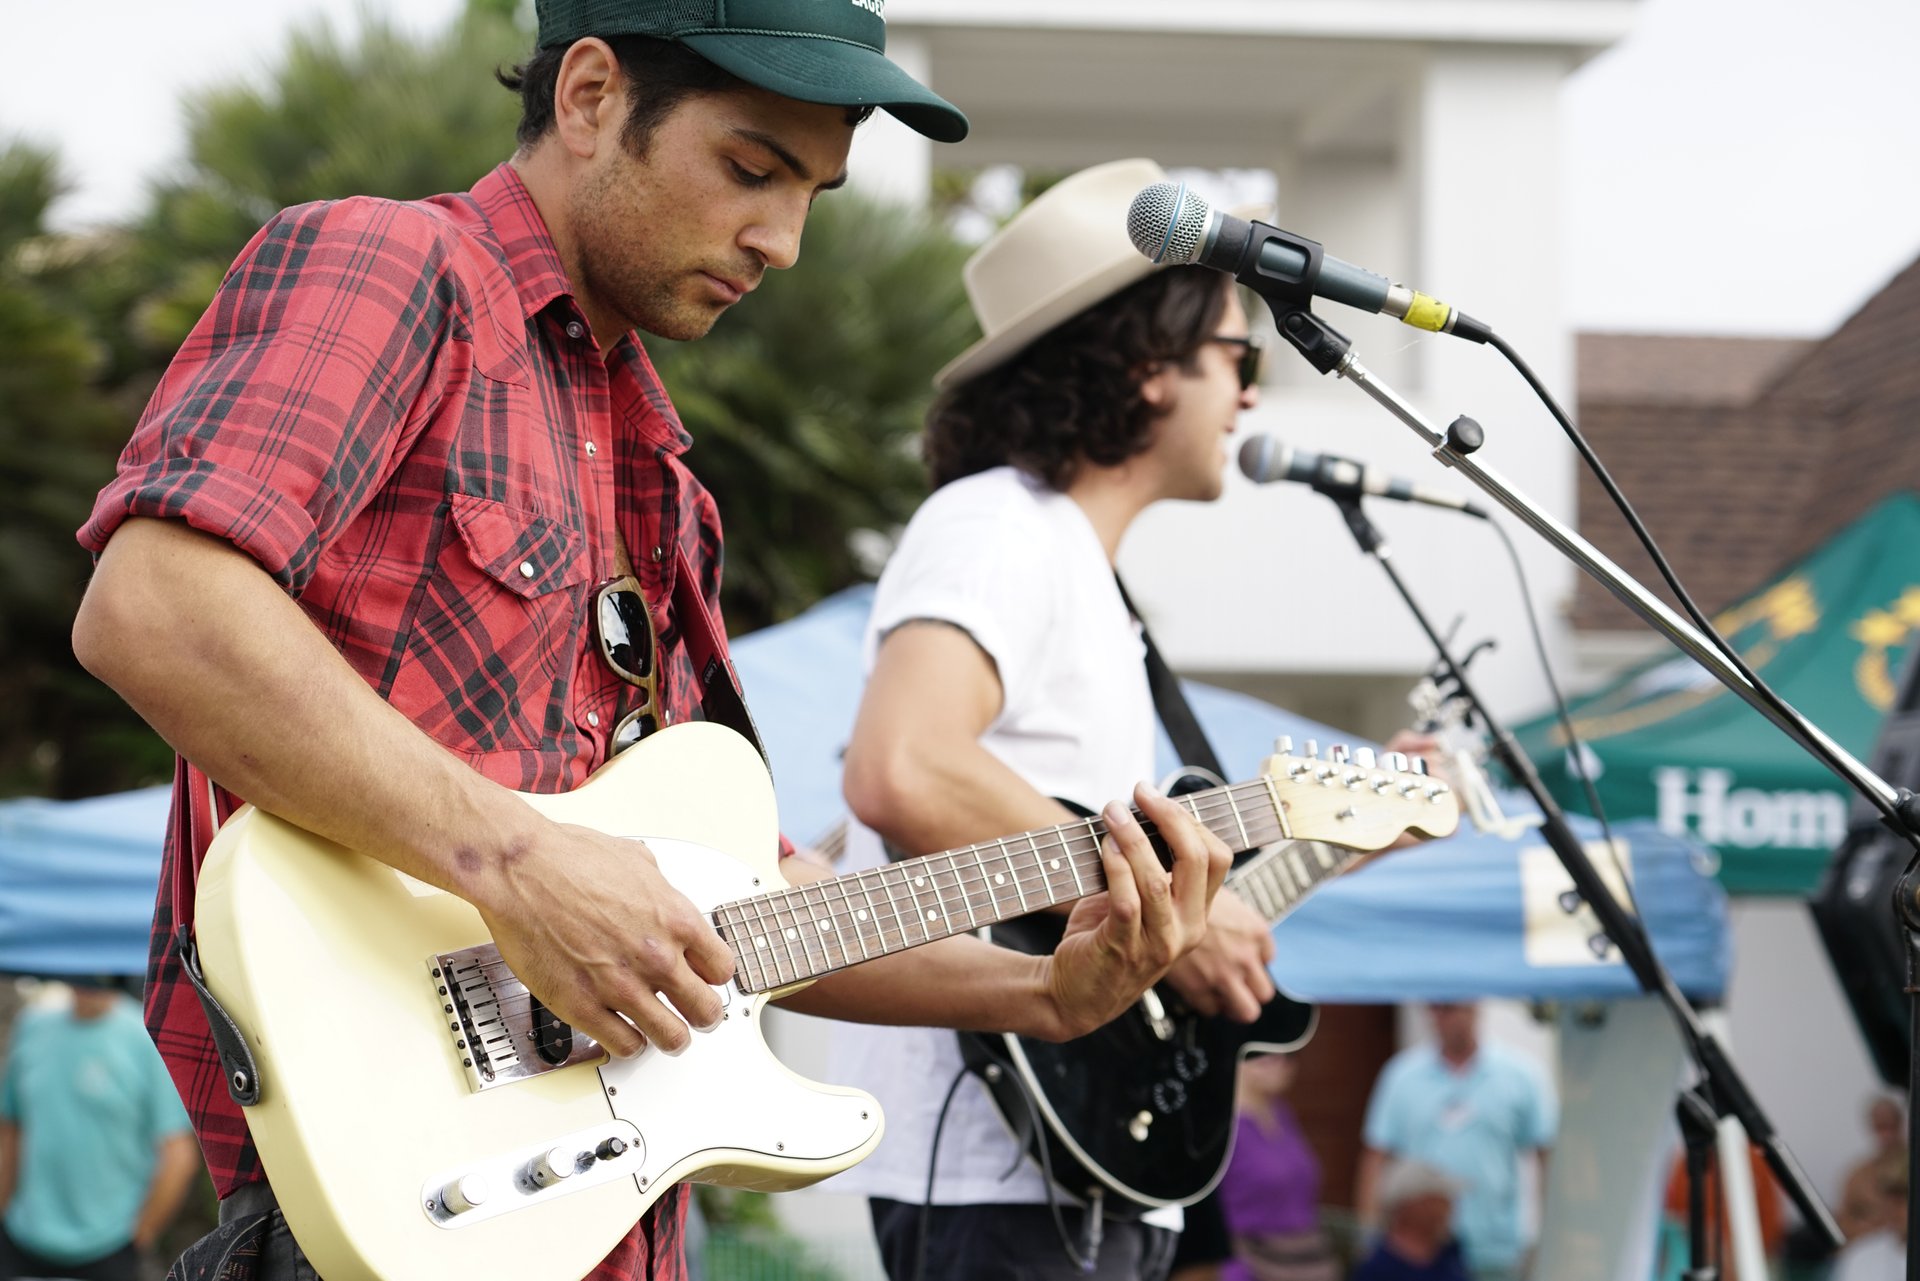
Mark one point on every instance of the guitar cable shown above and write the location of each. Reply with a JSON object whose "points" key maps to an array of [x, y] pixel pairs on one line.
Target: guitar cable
{"points": [[1086, 1258]]}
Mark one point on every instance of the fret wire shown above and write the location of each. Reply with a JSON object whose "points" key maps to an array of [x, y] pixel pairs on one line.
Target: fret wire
{"points": [[763, 910], [748, 961], [788, 932], [1299, 865], [1279, 806], [966, 895], [727, 932], [993, 895], [1073, 861], [919, 912], [853, 915], [899, 922], [810, 932], [1019, 889], [1246, 841], [830, 927]]}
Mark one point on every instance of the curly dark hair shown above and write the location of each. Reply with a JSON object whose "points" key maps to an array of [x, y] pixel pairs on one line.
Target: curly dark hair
{"points": [[673, 73], [1072, 398]]}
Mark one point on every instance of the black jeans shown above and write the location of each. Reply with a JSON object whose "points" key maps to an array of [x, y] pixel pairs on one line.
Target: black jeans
{"points": [[17, 1263], [252, 1243], [1011, 1243]]}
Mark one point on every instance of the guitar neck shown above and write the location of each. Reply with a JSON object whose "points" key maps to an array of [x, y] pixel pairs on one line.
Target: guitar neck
{"points": [[797, 934], [1275, 882]]}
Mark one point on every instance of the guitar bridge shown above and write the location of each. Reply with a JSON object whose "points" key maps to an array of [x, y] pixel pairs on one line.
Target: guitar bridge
{"points": [[498, 1031]]}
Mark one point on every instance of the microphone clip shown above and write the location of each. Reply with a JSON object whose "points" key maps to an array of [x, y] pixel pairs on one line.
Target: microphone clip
{"points": [[1288, 295]]}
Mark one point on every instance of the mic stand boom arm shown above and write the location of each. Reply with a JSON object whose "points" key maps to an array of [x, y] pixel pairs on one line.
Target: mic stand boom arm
{"points": [[1329, 351]]}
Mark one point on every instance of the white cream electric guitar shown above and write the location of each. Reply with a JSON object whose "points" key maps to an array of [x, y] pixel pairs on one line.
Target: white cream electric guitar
{"points": [[421, 1115]]}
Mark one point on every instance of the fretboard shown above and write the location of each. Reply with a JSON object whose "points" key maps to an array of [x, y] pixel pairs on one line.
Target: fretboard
{"points": [[1274, 883], [797, 934]]}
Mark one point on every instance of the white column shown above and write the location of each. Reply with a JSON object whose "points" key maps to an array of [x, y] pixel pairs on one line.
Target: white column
{"points": [[890, 161]]}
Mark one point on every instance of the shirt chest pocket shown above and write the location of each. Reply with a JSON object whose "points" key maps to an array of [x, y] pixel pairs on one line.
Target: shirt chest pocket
{"points": [[489, 658]]}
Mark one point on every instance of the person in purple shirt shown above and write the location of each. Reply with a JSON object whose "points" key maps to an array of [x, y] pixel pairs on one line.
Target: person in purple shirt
{"points": [[1270, 1193]]}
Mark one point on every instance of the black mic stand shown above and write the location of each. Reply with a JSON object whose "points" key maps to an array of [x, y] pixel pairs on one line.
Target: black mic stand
{"points": [[1289, 297], [1625, 933]]}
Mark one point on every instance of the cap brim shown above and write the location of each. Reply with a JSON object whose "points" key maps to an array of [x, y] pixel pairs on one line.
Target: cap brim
{"points": [[810, 69]]}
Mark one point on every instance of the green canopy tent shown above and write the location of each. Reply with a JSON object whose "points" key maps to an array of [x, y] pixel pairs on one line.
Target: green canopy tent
{"points": [[1666, 741]]}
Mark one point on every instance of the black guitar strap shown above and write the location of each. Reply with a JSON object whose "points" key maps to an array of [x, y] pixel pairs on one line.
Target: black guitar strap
{"points": [[1182, 726]]}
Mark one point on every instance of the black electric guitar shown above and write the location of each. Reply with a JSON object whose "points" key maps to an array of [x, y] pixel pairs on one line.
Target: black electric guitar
{"points": [[1143, 1108]]}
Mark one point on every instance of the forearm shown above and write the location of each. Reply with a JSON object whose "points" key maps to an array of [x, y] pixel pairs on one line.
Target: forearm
{"points": [[960, 982], [208, 649], [1366, 1187], [941, 796], [177, 1164]]}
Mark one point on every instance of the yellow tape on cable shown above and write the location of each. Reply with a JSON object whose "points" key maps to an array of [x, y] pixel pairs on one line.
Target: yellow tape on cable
{"points": [[1427, 313]]}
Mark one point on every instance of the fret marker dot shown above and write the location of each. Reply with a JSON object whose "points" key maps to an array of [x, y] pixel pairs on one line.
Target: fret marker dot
{"points": [[759, 941], [1055, 865], [825, 926], [999, 878], [919, 880], [793, 934], [861, 914], [932, 915]]}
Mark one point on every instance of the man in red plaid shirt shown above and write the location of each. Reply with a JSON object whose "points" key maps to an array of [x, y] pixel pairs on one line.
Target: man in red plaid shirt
{"points": [[347, 563]]}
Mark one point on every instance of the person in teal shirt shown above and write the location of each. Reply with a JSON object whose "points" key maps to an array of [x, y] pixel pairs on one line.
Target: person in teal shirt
{"points": [[1476, 1110], [95, 1150]]}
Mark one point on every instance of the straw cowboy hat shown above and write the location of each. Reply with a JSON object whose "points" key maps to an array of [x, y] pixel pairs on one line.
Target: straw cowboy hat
{"points": [[1057, 257]]}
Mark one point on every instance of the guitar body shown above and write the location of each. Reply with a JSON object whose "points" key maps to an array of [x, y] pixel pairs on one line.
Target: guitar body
{"points": [[369, 1107], [1142, 1107]]}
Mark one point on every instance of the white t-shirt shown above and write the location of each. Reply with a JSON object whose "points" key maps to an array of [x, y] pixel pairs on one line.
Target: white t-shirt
{"points": [[1019, 568]]}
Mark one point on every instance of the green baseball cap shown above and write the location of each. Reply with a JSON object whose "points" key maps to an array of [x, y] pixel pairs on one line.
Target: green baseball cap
{"points": [[831, 51]]}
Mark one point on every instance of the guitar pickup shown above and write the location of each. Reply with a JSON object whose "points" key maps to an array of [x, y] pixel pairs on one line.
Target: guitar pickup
{"points": [[498, 1031]]}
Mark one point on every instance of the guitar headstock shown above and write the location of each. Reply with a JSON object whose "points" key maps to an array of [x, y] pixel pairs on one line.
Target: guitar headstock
{"points": [[1356, 800]]}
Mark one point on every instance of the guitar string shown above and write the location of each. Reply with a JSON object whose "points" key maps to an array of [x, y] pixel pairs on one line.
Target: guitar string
{"points": [[1077, 849]]}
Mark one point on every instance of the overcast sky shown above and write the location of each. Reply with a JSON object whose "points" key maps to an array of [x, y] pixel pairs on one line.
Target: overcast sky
{"points": [[1736, 166]]}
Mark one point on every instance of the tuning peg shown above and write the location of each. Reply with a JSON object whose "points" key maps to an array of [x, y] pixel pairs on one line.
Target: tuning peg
{"points": [[1283, 746], [1337, 753], [1397, 762], [1420, 765], [1313, 749], [1363, 757]]}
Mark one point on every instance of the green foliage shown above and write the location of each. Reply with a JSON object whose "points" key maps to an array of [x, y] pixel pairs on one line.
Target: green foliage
{"points": [[58, 435]]}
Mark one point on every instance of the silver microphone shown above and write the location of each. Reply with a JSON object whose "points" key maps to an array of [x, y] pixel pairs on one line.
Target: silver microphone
{"points": [[1264, 459]]}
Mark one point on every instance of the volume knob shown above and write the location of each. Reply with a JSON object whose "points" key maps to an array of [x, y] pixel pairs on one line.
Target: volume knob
{"points": [[553, 1165], [464, 1193]]}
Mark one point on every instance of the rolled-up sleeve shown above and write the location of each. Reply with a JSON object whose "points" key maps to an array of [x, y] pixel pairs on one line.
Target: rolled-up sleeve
{"points": [[319, 359]]}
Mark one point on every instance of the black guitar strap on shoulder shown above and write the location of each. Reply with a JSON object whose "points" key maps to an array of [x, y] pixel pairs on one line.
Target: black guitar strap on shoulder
{"points": [[1169, 703], [720, 698]]}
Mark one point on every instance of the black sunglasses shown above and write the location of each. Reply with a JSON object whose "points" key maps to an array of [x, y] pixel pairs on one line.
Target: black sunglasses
{"points": [[623, 628], [1251, 352]]}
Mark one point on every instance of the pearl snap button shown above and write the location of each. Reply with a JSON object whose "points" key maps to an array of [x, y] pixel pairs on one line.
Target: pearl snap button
{"points": [[576, 330], [526, 569], [592, 449], [593, 719]]}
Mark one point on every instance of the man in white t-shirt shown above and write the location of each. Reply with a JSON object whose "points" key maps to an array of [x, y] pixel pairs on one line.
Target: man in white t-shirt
{"points": [[1004, 671]]}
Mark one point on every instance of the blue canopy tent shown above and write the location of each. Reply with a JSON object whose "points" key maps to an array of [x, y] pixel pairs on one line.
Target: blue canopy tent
{"points": [[1445, 920], [77, 882]]}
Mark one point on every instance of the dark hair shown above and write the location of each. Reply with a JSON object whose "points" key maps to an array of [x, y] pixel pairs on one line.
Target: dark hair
{"points": [[672, 74], [1072, 397]]}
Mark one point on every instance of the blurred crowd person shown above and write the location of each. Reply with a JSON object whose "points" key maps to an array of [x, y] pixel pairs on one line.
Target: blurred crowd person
{"points": [[1879, 1253], [95, 1150], [1864, 1207], [1416, 1241], [1475, 1110], [1270, 1193]]}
